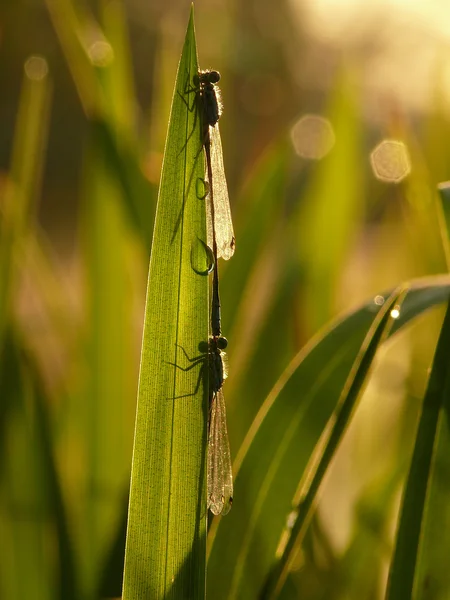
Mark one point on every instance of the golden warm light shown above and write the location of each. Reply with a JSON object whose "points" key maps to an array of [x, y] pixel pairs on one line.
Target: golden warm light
{"points": [[384, 38], [395, 312], [390, 161], [312, 137], [122, 424]]}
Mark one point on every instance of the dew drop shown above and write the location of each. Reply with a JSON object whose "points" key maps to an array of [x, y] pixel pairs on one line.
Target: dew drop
{"points": [[395, 312], [291, 519], [202, 257], [201, 188]]}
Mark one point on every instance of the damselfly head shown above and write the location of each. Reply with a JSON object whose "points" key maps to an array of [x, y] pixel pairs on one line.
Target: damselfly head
{"points": [[207, 77]]}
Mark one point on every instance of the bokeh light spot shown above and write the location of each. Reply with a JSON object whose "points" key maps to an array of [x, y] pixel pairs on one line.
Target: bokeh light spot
{"points": [[312, 137], [101, 53], [395, 312], [390, 161], [36, 68]]}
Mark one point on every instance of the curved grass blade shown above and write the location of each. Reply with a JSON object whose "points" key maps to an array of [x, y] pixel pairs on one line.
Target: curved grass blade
{"points": [[426, 482], [280, 443], [319, 462], [165, 549]]}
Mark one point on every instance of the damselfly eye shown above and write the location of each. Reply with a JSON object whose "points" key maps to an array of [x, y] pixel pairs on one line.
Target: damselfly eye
{"points": [[214, 77], [222, 343]]}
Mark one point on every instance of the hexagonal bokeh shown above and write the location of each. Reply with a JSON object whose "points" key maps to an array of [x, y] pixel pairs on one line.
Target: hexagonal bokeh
{"points": [[390, 161]]}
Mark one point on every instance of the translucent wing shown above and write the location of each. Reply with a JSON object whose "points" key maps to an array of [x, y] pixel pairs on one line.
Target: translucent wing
{"points": [[220, 475], [222, 213]]}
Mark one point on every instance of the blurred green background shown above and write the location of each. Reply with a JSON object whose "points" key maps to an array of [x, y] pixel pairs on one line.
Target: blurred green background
{"points": [[335, 135]]}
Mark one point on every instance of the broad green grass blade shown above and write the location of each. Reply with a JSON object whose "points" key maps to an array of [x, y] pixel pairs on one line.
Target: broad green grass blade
{"points": [[306, 495], [424, 510], [165, 550], [280, 443]]}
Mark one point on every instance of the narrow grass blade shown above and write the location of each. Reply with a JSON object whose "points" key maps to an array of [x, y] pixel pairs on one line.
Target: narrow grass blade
{"points": [[24, 177], [165, 550], [330, 213], [67, 578], [306, 495], [260, 210], [250, 286], [107, 410], [33, 519], [119, 72], [444, 216], [111, 578], [431, 577], [122, 163], [73, 28], [117, 129], [101, 71], [425, 489], [359, 572], [281, 441]]}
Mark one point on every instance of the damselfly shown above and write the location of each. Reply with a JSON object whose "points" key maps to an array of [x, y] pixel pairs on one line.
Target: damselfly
{"points": [[221, 238], [220, 474], [219, 223]]}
